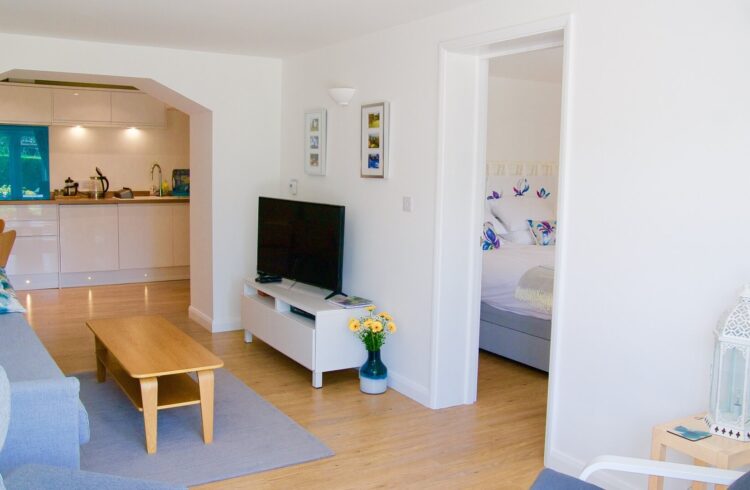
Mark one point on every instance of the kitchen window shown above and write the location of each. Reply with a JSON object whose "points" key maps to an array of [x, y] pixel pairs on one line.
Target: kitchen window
{"points": [[24, 162]]}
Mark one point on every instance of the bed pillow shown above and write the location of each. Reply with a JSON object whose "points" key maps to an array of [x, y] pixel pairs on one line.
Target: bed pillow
{"points": [[489, 240], [545, 232], [513, 212], [491, 218], [521, 237]]}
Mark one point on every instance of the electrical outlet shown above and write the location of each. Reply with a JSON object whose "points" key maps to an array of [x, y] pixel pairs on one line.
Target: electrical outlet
{"points": [[293, 187]]}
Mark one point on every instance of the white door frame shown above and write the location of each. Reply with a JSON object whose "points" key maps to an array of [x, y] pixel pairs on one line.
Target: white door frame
{"points": [[462, 119]]}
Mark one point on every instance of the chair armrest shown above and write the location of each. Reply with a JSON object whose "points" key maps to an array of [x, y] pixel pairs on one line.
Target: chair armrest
{"points": [[44, 424], [660, 468]]}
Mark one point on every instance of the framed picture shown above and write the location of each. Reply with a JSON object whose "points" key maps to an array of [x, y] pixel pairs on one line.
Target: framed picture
{"points": [[374, 163], [315, 142]]}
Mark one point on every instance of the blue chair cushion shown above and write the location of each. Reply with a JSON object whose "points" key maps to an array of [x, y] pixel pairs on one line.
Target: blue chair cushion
{"points": [[552, 480], [743, 483]]}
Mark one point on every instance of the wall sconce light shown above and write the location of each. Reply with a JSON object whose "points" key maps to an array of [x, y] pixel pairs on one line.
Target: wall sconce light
{"points": [[342, 95]]}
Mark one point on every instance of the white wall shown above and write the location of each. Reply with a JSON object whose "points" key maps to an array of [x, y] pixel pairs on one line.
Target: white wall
{"points": [[523, 120], [228, 171], [658, 103], [124, 155]]}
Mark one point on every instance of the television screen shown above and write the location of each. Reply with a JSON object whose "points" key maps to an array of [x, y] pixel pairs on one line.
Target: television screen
{"points": [[302, 241]]}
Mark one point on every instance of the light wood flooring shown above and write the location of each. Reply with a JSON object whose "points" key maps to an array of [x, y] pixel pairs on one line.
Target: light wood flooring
{"points": [[386, 441]]}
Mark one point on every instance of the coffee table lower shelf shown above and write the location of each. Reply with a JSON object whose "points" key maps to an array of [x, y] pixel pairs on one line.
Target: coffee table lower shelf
{"points": [[174, 390]]}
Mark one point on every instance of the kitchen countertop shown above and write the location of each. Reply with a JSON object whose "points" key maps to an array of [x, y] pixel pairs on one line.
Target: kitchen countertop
{"points": [[80, 200]]}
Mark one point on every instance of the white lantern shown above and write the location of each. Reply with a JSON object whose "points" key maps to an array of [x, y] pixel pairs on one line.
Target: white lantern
{"points": [[729, 413]]}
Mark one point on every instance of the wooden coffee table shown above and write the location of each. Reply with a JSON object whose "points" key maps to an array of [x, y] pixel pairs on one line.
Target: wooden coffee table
{"points": [[148, 357]]}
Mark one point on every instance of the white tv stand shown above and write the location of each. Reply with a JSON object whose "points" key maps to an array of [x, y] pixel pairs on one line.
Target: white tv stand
{"points": [[321, 345]]}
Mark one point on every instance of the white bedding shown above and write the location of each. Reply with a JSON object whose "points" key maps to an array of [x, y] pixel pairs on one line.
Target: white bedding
{"points": [[502, 269]]}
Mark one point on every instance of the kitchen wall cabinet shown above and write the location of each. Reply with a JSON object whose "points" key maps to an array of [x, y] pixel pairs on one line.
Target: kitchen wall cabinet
{"points": [[181, 234], [33, 262], [88, 238], [145, 236], [81, 106], [25, 105], [137, 109]]}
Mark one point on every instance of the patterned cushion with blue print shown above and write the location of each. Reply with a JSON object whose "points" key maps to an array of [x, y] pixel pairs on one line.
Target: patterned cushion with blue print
{"points": [[4, 282], [8, 301], [490, 239], [545, 232]]}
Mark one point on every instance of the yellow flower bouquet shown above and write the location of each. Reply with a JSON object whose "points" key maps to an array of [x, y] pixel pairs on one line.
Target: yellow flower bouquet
{"points": [[373, 328]]}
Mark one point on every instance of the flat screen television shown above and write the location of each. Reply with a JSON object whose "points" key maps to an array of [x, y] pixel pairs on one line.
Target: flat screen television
{"points": [[302, 241]]}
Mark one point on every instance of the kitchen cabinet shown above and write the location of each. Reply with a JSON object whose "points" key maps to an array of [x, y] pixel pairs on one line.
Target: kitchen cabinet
{"points": [[181, 234], [33, 255], [81, 106], [71, 245], [145, 236], [33, 262], [137, 109], [88, 238], [25, 105]]}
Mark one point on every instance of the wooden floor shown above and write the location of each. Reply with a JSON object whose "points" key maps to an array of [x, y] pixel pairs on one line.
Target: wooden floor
{"points": [[385, 441]]}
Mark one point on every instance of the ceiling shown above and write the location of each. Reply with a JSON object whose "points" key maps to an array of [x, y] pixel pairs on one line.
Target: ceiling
{"points": [[544, 65], [255, 27]]}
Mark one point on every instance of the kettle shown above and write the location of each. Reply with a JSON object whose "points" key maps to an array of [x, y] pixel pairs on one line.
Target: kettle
{"points": [[71, 188], [95, 193]]}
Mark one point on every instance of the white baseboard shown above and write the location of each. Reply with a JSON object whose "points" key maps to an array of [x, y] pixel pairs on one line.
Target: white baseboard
{"points": [[564, 463], [123, 276], [409, 388], [200, 318], [226, 325], [213, 326]]}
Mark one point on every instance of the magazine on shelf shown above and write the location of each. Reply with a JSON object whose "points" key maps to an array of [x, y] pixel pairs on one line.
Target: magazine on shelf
{"points": [[349, 301], [689, 434]]}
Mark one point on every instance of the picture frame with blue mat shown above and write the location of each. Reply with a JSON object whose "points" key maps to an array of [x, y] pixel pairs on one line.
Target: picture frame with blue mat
{"points": [[374, 140]]}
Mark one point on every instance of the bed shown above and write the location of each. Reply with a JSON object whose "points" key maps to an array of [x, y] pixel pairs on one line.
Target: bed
{"points": [[511, 327]]}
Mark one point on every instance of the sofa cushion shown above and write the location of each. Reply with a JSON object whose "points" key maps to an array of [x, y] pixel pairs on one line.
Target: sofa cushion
{"points": [[4, 406], [22, 354], [4, 412], [25, 358]]}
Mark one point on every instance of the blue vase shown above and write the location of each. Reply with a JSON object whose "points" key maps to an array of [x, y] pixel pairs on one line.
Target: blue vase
{"points": [[373, 375]]}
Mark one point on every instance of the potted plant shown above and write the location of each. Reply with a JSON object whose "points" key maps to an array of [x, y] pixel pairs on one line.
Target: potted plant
{"points": [[372, 330]]}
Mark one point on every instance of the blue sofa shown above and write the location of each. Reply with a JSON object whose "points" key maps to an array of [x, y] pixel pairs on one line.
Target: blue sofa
{"points": [[48, 423]]}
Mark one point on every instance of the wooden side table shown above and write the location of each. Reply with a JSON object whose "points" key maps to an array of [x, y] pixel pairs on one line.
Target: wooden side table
{"points": [[717, 451]]}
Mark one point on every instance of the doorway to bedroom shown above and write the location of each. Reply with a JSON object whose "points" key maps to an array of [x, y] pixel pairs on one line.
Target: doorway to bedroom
{"points": [[460, 208], [519, 225]]}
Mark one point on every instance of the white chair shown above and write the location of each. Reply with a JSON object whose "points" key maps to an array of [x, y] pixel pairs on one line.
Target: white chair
{"points": [[552, 480]]}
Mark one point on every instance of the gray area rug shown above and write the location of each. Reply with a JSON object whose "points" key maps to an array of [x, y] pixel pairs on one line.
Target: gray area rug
{"points": [[250, 435]]}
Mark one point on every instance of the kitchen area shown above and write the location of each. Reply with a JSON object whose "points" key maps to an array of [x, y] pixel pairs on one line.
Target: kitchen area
{"points": [[95, 179]]}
